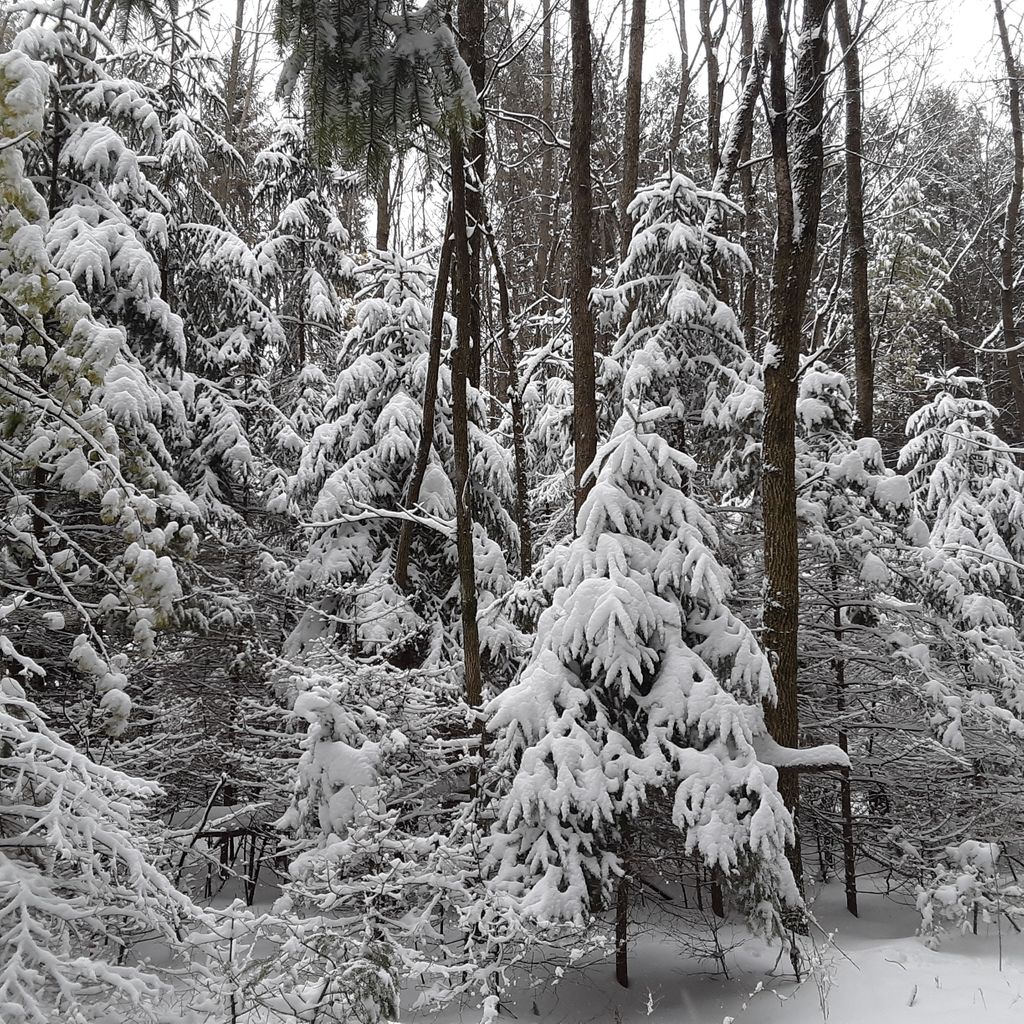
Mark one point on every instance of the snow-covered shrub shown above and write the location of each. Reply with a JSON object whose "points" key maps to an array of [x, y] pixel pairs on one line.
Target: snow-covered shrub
{"points": [[965, 887], [385, 882], [78, 883]]}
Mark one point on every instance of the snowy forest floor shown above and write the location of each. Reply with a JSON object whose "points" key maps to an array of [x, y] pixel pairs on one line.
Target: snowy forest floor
{"points": [[876, 970]]}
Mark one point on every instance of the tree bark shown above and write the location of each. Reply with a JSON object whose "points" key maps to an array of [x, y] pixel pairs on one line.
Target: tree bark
{"points": [[471, 33], [748, 294], [545, 250], [582, 258], [863, 358], [845, 791], [383, 203], [461, 358], [444, 266], [1008, 239], [683, 96], [714, 124], [631, 128], [622, 931], [798, 196]]}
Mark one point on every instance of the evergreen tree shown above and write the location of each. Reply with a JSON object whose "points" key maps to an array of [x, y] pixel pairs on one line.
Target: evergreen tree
{"points": [[641, 681]]}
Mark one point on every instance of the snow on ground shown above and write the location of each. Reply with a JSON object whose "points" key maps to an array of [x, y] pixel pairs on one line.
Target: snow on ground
{"points": [[879, 972]]}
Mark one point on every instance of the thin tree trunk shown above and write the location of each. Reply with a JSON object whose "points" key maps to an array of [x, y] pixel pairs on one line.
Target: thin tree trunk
{"points": [[471, 32], [864, 370], [845, 792], [231, 91], [444, 265], [683, 95], [545, 251], [798, 196], [515, 399], [740, 128], [582, 256], [461, 357], [748, 295], [631, 128], [714, 124], [1008, 240], [622, 932]]}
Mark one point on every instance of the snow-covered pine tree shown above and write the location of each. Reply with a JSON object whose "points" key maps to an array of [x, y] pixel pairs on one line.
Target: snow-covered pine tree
{"points": [[903, 622], [91, 516], [642, 681], [306, 269], [908, 275], [354, 472], [373, 74], [665, 289]]}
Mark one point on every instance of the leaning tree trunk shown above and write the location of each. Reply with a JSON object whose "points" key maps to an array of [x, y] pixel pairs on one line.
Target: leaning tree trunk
{"points": [[1008, 241], [798, 160], [864, 370], [582, 256], [412, 495]]}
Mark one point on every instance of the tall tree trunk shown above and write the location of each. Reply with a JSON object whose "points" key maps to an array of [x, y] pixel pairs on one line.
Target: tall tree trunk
{"points": [[710, 42], [683, 96], [547, 158], [631, 127], [471, 33], [412, 496], [515, 399], [863, 358], [798, 175], [1008, 240], [582, 256], [461, 357], [231, 91], [748, 294]]}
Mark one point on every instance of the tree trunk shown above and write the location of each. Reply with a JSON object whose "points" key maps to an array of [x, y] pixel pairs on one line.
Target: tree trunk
{"points": [[739, 129], [623, 931], [383, 201], [683, 96], [471, 33], [460, 426], [582, 258], [631, 128], [444, 266], [515, 399], [714, 125], [748, 294], [798, 196], [864, 370], [545, 250], [845, 792], [1008, 240]]}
